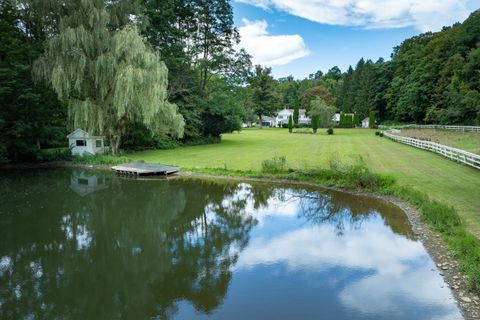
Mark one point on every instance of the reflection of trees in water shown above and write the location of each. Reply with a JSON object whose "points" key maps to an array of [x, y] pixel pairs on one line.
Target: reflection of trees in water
{"points": [[345, 210], [131, 251]]}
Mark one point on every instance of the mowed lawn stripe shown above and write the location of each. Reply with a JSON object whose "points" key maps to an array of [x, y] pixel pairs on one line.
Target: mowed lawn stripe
{"points": [[441, 178]]}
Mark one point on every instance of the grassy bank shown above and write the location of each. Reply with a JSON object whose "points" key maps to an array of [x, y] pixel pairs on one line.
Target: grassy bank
{"points": [[356, 175], [468, 141], [442, 179], [354, 159]]}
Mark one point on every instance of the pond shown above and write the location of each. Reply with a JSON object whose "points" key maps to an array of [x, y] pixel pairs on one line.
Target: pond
{"points": [[90, 245]]}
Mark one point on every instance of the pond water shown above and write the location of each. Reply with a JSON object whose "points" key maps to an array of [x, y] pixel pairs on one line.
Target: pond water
{"points": [[89, 245]]}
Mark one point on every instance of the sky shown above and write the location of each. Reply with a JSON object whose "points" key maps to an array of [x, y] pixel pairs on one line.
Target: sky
{"points": [[299, 37]]}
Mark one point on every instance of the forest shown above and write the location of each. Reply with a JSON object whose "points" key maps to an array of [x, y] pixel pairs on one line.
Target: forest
{"points": [[160, 73]]}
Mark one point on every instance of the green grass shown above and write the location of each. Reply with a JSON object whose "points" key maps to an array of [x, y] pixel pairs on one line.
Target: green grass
{"points": [[442, 179], [468, 141]]}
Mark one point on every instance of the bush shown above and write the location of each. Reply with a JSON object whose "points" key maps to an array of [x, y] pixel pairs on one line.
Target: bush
{"points": [[275, 165], [54, 154], [330, 131], [377, 133], [100, 159], [381, 134]]}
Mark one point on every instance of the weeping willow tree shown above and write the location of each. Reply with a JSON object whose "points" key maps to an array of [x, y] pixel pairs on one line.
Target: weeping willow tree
{"points": [[107, 74]]}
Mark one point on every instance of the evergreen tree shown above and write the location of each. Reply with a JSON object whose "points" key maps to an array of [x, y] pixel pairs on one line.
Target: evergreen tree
{"points": [[107, 76], [314, 124], [371, 120], [296, 114]]}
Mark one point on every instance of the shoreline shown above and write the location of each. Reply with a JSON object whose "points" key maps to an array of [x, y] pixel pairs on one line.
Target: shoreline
{"points": [[446, 264]]}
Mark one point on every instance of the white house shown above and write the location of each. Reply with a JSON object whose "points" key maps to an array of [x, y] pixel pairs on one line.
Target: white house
{"points": [[268, 121], [81, 142], [283, 115], [366, 123], [83, 183]]}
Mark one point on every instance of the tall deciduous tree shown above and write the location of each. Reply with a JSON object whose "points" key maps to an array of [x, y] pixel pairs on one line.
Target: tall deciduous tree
{"points": [[262, 97], [107, 76], [324, 113]]}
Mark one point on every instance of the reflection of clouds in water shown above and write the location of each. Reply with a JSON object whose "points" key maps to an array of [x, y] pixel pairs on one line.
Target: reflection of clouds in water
{"points": [[81, 234], [381, 292], [6, 265], [316, 247], [398, 264]]}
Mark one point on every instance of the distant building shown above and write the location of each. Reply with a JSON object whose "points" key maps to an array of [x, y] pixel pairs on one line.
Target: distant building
{"points": [[336, 118], [283, 115], [366, 123], [268, 121], [81, 142]]}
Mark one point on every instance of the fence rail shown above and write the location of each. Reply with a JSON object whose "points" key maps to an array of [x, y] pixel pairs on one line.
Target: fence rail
{"points": [[455, 154], [445, 127]]}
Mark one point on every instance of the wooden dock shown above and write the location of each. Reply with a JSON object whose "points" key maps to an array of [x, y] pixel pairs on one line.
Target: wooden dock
{"points": [[145, 168]]}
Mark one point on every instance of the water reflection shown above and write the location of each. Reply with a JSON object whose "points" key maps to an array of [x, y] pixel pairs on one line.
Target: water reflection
{"points": [[193, 249], [84, 183]]}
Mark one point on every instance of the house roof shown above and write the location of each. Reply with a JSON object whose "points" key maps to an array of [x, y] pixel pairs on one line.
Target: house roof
{"points": [[267, 118], [290, 111]]}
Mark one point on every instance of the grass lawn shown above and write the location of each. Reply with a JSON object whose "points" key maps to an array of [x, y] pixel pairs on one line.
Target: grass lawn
{"points": [[442, 179], [468, 141]]}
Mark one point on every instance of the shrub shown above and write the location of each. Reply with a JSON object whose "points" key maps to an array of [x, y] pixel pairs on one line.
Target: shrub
{"points": [[330, 131], [377, 133], [100, 159], [54, 154], [381, 134], [275, 165], [315, 124], [290, 124]]}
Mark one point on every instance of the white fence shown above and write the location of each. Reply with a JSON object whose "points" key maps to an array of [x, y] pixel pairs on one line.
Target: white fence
{"points": [[439, 126], [459, 155]]}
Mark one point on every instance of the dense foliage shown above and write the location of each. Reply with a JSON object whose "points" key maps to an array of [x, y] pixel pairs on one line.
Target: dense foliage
{"points": [[31, 117], [431, 78], [107, 76]]}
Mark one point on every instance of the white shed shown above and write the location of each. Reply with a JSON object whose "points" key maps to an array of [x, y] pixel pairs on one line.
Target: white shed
{"points": [[366, 123], [81, 142]]}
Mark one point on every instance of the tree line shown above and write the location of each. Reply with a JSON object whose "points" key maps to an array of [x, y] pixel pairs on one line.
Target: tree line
{"points": [[156, 73]]}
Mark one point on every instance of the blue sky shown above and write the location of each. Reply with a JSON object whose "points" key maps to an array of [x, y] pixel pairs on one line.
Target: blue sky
{"points": [[299, 37]]}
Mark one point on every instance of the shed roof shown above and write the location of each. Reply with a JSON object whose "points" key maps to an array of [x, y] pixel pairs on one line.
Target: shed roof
{"points": [[80, 133]]}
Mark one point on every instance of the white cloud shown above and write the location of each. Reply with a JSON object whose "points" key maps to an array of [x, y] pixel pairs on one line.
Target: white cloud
{"points": [[270, 50], [425, 15]]}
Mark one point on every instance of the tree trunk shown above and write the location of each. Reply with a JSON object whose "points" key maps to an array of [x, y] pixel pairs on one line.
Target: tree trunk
{"points": [[114, 144], [260, 121], [38, 143]]}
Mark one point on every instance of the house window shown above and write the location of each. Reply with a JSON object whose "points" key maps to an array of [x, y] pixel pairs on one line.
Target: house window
{"points": [[98, 143], [81, 143]]}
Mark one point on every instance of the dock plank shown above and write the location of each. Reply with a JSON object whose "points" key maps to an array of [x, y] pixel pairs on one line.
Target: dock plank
{"points": [[145, 168]]}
